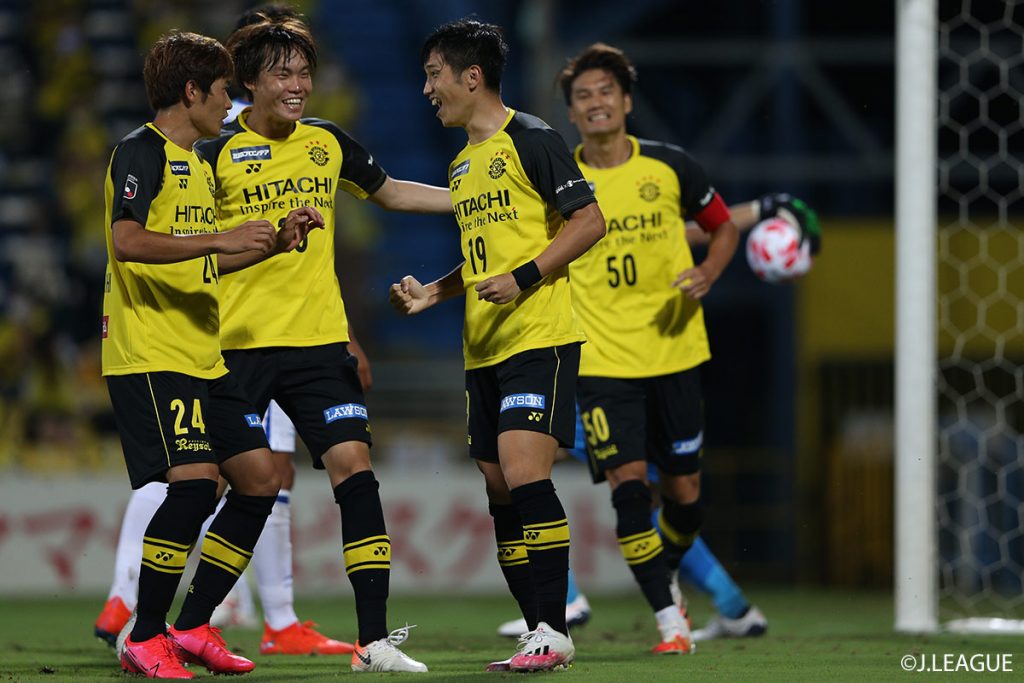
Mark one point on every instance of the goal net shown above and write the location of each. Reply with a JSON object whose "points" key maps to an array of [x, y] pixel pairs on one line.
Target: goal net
{"points": [[980, 278], [960, 457]]}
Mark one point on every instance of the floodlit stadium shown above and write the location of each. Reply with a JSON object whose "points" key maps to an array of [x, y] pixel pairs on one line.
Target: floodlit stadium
{"points": [[838, 484]]}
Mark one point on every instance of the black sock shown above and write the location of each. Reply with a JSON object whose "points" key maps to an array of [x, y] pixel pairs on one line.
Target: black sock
{"points": [[680, 525], [640, 543], [514, 561], [225, 553], [546, 532], [367, 552], [169, 537]]}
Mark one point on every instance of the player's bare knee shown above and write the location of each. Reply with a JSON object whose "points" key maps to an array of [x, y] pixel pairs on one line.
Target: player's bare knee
{"points": [[285, 469], [683, 489], [629, 471], [494, 483]]}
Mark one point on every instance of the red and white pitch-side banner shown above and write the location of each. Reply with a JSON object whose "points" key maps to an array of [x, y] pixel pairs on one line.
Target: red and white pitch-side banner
{"points": [[58, 535]]}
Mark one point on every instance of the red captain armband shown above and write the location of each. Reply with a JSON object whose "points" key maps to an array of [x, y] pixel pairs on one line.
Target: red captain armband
{"points": [[713, 215]]}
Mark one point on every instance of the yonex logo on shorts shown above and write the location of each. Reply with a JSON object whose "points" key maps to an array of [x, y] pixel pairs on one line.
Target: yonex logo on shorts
{"points": [[179, 168], [253, 420], [257, 153], [344, 412], [522, 401], [689, 446]]}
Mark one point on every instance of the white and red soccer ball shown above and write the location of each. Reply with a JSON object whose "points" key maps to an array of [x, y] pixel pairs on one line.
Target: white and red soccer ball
{"points": [[774, 251]]}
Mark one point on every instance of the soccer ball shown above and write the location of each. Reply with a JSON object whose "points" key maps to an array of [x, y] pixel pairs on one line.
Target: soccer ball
{"points": [[774, 251]]}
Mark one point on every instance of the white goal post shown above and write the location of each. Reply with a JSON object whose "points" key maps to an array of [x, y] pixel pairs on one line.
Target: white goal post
{"points": [[916, 561]]}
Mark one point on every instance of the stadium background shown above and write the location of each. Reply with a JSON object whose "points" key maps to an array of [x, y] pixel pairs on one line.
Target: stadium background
{"points": [[784, 95]]}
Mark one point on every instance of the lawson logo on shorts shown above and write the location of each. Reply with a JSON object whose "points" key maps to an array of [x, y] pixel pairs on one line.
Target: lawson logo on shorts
{"points": [[344, 412], [535, 401], [689, 446], [255, 153], [254, 420]]}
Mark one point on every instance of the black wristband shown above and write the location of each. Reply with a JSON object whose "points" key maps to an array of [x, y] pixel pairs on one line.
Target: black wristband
{"points": [[526, 275]]}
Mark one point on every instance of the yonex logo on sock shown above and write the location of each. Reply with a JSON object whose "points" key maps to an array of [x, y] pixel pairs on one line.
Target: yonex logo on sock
{"points": [[522, 401], [344, 412], [689, 446]]}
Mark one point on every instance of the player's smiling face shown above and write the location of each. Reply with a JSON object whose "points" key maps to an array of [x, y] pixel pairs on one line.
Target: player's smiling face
{"points": [[210, 111], [445, 90], [597, 104], [281, 92]]}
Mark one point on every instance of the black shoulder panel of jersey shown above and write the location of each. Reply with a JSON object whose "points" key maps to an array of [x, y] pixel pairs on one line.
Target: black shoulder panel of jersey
{"points": [[210, 148], [357, 165], [695, 191], [137, 174], [549, 164]]}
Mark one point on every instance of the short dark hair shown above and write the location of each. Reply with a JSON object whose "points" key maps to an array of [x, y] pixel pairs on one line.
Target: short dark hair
{"points": [[177, 58], [466, 42], [258, 47], [598, 56], [271, 11]]}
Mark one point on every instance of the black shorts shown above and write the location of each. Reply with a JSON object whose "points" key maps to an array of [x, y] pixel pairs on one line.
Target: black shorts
{"points": [[658, 419], [534, 391], [316, 386], [167, 419]]}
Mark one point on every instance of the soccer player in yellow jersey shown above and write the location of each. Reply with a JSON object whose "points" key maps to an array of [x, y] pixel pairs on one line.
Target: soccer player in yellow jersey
{"points": [[524, 212], [638, 294], [181, 417], [284, 330]]}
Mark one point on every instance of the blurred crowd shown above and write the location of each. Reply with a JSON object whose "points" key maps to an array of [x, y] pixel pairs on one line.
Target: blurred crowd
{"points": [[74, 88]]}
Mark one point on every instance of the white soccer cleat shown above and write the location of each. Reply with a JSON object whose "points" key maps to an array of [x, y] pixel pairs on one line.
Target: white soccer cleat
{"points": [[750, 625], [383, 655], [543, 649], [577, 613]]}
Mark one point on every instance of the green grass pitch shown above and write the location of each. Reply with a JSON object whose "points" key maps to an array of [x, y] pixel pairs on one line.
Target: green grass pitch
{"points": [[813, 636]]}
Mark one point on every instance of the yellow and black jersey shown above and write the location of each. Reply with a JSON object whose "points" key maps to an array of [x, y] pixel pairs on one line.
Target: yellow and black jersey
{"points": [[512, 194], [291, 299], [637, 324], [160, 318]]}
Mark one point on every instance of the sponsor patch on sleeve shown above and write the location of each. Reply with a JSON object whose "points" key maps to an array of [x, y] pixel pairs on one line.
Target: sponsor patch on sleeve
{"points": [[345, 411], [131, 187], [532, 401], [461, 169]]}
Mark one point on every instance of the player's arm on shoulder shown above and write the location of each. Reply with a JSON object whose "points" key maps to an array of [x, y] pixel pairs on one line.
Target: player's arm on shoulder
{"points": [[406, 195], [410, 296]]}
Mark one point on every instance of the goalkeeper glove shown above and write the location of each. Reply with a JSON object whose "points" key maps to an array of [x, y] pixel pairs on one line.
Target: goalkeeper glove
{"points": [[806, 218]]}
